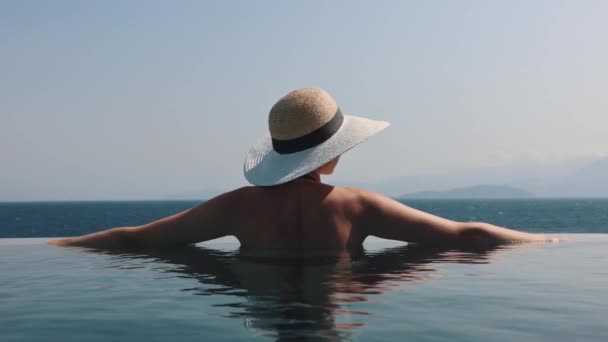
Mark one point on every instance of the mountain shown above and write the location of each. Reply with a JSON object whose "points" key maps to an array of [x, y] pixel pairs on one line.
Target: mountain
{"points": [[540, 179], [477, 191]]}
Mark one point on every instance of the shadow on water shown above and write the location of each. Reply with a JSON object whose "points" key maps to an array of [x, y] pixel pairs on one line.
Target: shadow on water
{"points": [[306, 297]]}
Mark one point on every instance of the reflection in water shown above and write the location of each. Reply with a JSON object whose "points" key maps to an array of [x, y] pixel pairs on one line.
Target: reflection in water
{"points": [[300, 298]]}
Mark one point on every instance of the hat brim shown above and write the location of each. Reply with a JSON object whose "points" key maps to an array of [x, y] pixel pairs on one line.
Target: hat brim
{"points": [[264, 166]]}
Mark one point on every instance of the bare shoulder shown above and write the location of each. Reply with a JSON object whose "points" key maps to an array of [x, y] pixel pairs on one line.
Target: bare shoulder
{"points": [[387, 218], [211, 219], [367, 200], [363, 203], [353, 198], [240, 194], [383, 206], [225, 204]]}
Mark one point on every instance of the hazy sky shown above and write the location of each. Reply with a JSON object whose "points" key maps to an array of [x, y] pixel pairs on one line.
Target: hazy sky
{"points": [[141, 99]]}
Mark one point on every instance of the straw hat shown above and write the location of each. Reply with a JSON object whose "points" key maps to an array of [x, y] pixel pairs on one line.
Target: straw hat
{"points": [[307, 130]]}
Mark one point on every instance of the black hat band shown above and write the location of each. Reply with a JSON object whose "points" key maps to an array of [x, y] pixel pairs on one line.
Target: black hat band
{"points": [[311, 139]]}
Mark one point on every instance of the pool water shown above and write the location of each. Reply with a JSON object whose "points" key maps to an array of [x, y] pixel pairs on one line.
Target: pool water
{"points": [[392, 291]]}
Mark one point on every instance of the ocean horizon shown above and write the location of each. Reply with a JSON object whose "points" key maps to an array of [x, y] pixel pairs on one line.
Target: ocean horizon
{"points": [[69, 218]]}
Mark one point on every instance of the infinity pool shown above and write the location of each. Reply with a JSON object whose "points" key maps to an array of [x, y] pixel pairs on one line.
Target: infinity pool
{"points": [[392, 291]]}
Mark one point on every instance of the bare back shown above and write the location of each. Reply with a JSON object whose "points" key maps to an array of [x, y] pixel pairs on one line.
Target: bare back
{"points": [[302, 214]]}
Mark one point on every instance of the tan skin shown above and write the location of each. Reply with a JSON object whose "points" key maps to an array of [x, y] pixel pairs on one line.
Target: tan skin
{"points": [[301, 215]]}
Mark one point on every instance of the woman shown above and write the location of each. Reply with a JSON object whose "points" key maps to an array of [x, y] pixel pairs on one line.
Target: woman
{"points": [[288, 207]]}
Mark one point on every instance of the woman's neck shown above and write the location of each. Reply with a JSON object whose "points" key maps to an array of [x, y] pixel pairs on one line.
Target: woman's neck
{"points": [[314, 176]]}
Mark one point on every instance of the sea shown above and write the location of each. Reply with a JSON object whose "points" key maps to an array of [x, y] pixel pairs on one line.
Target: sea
{"points": [[55, 219], [392, 291]]}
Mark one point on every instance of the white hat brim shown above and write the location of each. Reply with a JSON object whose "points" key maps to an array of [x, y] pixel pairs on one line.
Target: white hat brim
{"points": [[264, 166]]}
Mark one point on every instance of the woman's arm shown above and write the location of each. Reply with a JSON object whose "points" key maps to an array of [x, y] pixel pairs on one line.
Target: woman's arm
{"points": [[210, 220], [111, 238], [387, 218]]}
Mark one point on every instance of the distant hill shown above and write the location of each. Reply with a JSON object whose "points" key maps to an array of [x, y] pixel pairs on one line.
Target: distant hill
{"points": [[476, 191], [542, 179]]}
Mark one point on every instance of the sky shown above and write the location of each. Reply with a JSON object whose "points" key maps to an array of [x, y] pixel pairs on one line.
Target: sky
{"points": [[144, 99]]}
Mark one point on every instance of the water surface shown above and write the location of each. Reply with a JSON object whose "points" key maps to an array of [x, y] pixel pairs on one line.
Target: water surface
{"points": [[391, 291]]}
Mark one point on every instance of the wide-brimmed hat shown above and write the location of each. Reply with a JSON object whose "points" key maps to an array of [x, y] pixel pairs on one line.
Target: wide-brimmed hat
{"points": [[306, 130]]}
